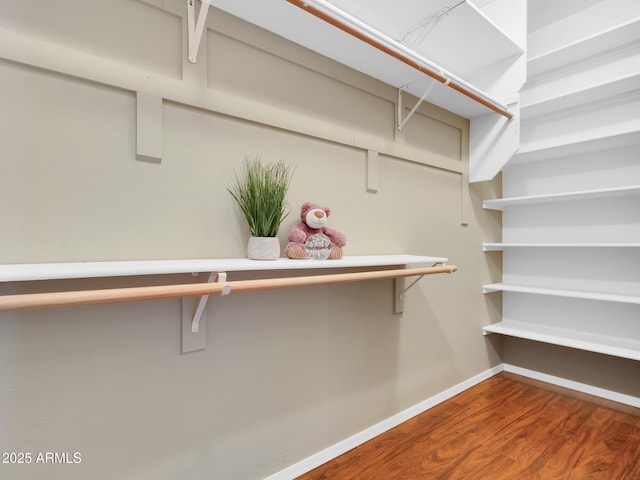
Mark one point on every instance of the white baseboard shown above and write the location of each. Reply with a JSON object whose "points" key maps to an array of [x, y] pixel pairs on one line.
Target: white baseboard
{"points": [[580, 387], [347, 444]]}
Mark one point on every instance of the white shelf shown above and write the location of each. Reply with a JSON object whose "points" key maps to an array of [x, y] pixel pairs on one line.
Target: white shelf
{"points": [[490, 47], [605, 297], [53, 271], [500, 203], [619, 347], [564, 101], [592, 144], [583, 48], [493, 247], [195, 296]]}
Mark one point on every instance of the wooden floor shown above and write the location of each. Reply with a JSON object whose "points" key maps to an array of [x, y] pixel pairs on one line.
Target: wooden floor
{"points": [[505, 428]]}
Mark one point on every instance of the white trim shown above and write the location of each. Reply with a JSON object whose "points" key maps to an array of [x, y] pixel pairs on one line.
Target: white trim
{"points": [[580, 387], [347, 444]]}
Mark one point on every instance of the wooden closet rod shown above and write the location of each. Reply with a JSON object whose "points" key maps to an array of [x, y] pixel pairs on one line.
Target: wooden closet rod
{"points": [[397, 54], [131, 294]]}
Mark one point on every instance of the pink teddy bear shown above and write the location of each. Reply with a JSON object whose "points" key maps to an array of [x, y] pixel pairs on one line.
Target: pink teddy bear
{"points": [[314, 218]]}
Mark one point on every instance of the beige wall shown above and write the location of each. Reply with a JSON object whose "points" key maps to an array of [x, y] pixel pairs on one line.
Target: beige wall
{"points": [[286, 373]]}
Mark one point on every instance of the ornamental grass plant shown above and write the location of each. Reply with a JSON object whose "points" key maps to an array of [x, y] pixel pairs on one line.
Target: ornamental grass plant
{"points": [[260, 191]]}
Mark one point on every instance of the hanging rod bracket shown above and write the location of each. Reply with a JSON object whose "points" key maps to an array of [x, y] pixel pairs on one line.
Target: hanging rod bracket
{"points": [[195, 30], [402, 122], [400, 289], [220, 277], [411, 285], [194, 325]]}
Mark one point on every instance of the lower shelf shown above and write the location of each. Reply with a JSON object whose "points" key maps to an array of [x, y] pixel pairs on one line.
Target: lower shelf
{"points": [[618, 347]]}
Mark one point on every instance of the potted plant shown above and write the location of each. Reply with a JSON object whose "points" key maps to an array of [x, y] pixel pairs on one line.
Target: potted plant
{"points": [[260, 192]]}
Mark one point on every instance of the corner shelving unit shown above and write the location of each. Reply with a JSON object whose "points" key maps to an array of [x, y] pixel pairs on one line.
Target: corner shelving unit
{"points": [[556, 321], [570, 245], [195, 296]]}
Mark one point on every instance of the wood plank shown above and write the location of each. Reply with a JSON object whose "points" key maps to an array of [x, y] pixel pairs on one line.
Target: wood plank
{"points": [[504, 428]]}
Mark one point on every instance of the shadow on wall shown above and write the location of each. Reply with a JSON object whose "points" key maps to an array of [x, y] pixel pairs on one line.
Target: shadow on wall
{"points": [[603, 371]]}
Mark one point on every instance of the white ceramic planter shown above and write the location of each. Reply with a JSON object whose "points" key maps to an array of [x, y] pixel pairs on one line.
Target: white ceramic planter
{"points": [[263, 248]]}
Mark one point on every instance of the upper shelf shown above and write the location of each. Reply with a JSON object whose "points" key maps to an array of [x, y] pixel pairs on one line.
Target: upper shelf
{"points": [[582, 48], [53, 271], [500, 203], [434, 29], [491, 46]]}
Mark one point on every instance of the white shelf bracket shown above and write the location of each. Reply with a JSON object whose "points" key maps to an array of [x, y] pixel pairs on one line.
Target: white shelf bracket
{"points": [[194, 325], [400, 289], [195, 30], [402, 122], [220, 277]]}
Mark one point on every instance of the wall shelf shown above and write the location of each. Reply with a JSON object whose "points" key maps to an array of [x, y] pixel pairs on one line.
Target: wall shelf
{"points": [[56, 271], [496, 247], [608, 345], [195, 295], [605, 297], [500, 203]]}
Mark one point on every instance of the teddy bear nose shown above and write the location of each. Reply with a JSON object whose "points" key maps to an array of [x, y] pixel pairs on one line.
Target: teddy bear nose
{"points": [[319, 213]]}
